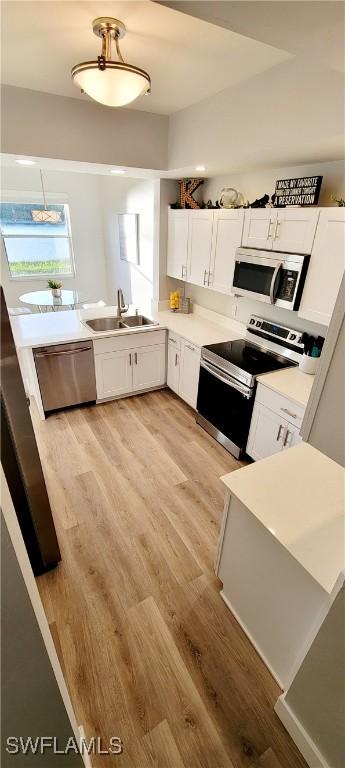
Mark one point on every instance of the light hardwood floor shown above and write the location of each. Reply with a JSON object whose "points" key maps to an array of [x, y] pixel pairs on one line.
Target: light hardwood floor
{"points": [[149, 651]]}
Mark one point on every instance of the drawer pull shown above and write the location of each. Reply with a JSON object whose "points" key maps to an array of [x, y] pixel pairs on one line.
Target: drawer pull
{"points": [[191, 348], [171, 339], [286, 410], [279, 432]]}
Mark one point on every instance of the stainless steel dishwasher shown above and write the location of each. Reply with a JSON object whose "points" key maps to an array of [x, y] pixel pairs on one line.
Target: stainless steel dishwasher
{"points": [[66, 374]]}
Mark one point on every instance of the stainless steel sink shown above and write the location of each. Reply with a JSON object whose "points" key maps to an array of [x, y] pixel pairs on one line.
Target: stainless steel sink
{"points": [[106, 324], [118, 324], [135, 321]]}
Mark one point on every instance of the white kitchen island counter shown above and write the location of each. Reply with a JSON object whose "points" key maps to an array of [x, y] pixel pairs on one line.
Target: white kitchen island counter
{"points": [[281, 551]]}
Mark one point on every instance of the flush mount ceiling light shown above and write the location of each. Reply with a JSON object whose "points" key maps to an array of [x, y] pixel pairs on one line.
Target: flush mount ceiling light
{"points": [[113, 83]]}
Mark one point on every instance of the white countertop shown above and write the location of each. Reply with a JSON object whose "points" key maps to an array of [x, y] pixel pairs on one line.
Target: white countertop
{"points": [[298, 495], [200, 330], [290, 382], [47, 328]]}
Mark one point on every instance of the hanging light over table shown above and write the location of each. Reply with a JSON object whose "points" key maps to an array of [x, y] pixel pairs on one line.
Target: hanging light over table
{"points": [[113, 83], [45, 215]]}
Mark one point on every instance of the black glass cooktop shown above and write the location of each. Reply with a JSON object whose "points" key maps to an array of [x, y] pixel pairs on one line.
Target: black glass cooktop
{"points": [[249, 357]]}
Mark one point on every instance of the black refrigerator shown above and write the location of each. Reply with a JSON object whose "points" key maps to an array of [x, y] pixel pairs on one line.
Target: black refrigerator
{"points": [[21, 461]]}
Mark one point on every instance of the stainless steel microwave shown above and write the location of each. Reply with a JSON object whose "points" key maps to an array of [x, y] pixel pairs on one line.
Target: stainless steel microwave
{"points": [[269, 276]]}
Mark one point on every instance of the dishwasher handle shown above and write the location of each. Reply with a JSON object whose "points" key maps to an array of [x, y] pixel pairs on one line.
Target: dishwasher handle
{"points": [[63, 352]]}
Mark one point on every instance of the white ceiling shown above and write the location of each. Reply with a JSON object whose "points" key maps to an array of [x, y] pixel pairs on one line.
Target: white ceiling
{"points": [[188, 59]]}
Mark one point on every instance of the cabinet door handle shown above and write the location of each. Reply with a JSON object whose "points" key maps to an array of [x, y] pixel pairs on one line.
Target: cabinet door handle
{"points": [[286, 437], [277, 230], [182, 271], [279, 432], [286, 410], [136, 358], [269, 233], [176, 358], [130, 358], [209, 278], [205, 273]]}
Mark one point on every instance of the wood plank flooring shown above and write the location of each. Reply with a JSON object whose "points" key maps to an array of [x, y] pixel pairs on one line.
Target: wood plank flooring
{"points": [[149, 650]]}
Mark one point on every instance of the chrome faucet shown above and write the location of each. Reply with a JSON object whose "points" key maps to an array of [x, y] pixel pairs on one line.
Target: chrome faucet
{"points": [[122, 308]]}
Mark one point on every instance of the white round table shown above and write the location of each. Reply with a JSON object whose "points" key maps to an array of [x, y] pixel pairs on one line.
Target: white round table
{"points": [[45, 299]]}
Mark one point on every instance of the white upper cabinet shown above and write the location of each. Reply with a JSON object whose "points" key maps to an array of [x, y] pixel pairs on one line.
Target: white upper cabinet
{"points": [[295, 228], [199, 246], [226, 237], [326, 267], [259, 226], [289, 230], [202, 246], [178, 226]]}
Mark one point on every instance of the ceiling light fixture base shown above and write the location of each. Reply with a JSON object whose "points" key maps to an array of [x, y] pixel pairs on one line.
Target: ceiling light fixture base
{"points": [[104, 24]]}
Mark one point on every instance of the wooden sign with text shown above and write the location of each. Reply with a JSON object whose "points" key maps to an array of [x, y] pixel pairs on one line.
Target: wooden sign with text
{"points": [[303, 191]]}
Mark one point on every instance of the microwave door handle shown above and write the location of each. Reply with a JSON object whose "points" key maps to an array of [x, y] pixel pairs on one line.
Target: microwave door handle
{"points": [[273, 282], [247, 392]]}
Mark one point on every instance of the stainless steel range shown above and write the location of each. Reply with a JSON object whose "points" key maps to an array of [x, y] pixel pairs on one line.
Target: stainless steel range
{"points": [[227, 379]]}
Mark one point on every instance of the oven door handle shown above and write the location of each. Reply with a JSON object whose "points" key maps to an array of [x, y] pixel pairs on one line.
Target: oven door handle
{"points": [[273, 282], [245, 391]]}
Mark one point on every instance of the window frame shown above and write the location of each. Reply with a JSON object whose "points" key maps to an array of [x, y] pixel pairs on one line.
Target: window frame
{"points": [[42, 275]]}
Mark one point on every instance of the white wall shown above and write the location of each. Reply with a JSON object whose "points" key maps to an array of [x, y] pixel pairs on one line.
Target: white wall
{"points": [[316, 696], [94, 202], [129, 196], [294, 113], [46, 125], [256, 183], [84, 200], [327, 428]]}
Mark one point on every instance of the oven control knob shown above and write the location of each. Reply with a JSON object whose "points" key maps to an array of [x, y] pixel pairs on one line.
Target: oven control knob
{"points": [[258, 323], [292, 337], [252, 321]]}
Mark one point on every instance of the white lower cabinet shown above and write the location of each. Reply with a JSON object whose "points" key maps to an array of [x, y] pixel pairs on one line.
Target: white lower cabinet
{"points": [[148, 367], [129, 364], [113, 374], [183, 369], [173, 377], [266, 433], [271, 430], [189, 374]]}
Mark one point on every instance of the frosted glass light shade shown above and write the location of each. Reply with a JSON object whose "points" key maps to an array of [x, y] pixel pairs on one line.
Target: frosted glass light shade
{"points": [[116, 85]]}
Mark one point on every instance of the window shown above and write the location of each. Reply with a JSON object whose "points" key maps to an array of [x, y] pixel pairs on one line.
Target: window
{"points": [[34, 247]]}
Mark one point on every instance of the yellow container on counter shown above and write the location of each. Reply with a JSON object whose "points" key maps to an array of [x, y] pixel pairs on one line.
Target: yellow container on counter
{"points": [[174, 301]]}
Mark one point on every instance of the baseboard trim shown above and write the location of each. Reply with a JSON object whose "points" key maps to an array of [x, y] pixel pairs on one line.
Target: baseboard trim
{"points": [[85, 756], [299, 735], [256, 646]]}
